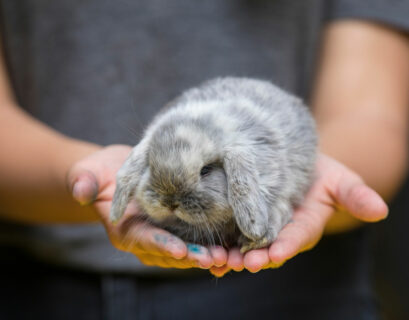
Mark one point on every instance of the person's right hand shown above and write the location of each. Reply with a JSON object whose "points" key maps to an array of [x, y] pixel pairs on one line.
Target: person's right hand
{"points": [[92, 182]]}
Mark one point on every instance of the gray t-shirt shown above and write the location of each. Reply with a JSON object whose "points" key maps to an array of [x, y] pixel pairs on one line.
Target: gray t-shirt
{"points": [[100, 70]]}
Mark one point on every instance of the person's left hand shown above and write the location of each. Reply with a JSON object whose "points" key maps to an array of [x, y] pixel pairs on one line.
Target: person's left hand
{"points": [[335, 189]]}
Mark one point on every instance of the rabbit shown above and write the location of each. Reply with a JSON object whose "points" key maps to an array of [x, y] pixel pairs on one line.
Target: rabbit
{"points": [[225, 163]]}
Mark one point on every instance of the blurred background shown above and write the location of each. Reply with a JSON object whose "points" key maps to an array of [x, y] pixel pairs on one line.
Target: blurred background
{"points": [[391, 254]]}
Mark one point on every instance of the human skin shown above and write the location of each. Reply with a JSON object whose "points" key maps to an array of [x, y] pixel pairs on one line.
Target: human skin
{"points": [[368, 66], [54, 173]]}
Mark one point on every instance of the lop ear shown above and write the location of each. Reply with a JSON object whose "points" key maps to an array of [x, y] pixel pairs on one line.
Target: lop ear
{"points": [[127, 180], [244, 195]]}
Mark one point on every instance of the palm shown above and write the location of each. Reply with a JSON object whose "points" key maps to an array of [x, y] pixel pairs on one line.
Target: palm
{"points": [[335, 188]]}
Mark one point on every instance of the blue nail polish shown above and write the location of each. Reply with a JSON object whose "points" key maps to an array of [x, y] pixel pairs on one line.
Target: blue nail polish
{"points": [[194, 248], [160, 238]]}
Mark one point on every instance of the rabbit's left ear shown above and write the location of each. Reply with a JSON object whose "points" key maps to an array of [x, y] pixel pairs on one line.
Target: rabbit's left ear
{"points": [[127, 180], [244, 194]]}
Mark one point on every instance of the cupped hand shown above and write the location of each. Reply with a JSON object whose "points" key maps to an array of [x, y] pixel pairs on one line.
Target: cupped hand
{"points": [[92, 181], [336, 189]]}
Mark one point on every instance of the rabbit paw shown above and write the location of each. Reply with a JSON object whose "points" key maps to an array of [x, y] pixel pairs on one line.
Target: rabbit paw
{"points": [[247, 244]]}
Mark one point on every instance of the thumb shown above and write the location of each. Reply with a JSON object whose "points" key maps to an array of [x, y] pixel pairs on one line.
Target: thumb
{"points": [[83, 185], [359, 200]]}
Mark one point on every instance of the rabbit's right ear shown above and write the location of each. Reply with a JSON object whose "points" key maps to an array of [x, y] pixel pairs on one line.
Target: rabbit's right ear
{"points": [[127, 180]]}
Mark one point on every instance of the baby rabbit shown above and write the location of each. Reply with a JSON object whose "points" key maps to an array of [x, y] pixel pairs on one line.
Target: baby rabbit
{"points": [[225, 163]]}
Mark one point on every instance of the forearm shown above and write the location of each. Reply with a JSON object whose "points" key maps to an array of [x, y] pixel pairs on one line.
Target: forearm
{"points": [[33, 167], [360, 104], [34, 162]]}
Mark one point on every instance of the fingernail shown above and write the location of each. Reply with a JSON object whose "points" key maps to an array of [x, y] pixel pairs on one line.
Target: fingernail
{"points": [[194, 248], [79, 192]]}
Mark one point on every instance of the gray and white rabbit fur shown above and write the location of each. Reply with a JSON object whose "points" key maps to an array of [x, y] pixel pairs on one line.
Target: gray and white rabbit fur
{"points": [[225, 163]]}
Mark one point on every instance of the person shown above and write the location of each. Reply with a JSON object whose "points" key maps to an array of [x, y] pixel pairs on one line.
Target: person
{"points": [[75, 72]]}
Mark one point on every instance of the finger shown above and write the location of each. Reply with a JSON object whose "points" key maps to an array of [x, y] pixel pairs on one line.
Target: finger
{"points": [[83, 186], [219, 255], [359, 200], [197, 257], [235, 259], [138, 236], [199, 254], [164, 262], [255, 260], [158, 242], [302, 233], [348, 191], [273, 265], [307, 224], [219, 271], [134, 234]]}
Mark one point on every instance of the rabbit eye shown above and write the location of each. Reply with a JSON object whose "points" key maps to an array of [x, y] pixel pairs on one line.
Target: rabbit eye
{"points": [[206, 170]]}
